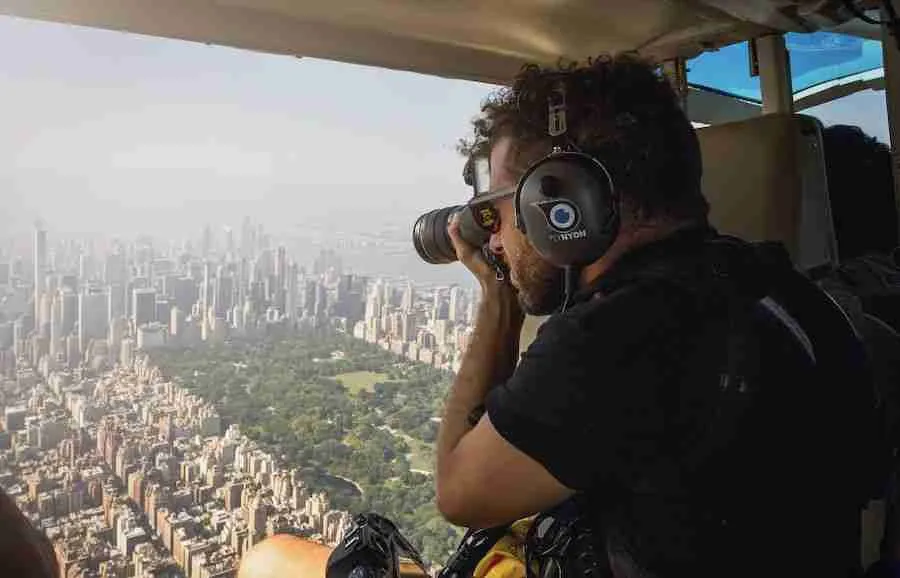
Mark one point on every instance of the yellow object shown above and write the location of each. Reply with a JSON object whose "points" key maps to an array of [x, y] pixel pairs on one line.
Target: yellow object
{"points": [[507, 558]]}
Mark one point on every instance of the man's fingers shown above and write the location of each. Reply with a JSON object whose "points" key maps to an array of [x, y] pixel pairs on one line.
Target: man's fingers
{"points": [[463, 249], [468, 255]]}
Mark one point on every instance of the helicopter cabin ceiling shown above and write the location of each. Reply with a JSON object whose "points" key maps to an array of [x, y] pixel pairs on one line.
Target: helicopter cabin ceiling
{"points": [[485, 40]]}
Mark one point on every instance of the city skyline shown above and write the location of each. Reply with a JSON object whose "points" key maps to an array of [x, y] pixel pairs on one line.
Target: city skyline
{"points": [[129, 472]]}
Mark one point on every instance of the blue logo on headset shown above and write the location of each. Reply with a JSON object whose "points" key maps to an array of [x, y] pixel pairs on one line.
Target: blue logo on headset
{"points": [[562, 216]]}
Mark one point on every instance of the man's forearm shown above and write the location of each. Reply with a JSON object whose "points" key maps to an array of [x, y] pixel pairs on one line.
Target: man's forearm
{"points": [[490, 359]]}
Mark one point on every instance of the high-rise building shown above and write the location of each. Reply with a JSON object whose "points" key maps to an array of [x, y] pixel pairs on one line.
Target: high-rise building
{"points": [[115, 270], [409, 295], [150, 336], [290, 301], [176, 322], [223, 295], [55, 325], [280, 288], [206, 241], [68, 311], [85, 268], [163, 310], [143, 306], [184, 293], [43, 322], [407, 327], [456, 304], [92, 321], [117, 330], [40, 265], [7, 335], [14, 418], [247, 247], [309, 298], [69, 282], [205, 290], [126, 356], [73, 352], [321, 303], [116, 298]]}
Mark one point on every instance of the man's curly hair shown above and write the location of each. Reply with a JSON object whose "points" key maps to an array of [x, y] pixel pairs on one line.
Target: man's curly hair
{"points": [[620, 110]]}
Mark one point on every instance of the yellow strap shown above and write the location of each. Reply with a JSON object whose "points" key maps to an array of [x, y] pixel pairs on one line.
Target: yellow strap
{"points": [[506, 559]]}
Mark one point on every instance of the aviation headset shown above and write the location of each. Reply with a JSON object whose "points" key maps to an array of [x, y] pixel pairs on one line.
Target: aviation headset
{"points": [[566, 203]]}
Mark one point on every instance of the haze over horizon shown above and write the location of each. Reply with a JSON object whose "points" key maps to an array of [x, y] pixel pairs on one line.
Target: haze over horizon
{"points": [[116, 133], [105, 131]]}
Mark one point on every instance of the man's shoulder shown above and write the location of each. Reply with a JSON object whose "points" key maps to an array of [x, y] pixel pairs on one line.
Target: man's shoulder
{"points": [[618, 318]]}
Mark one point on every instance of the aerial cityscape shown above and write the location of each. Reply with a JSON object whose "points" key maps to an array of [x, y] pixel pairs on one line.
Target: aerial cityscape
{"points": [[134, 462], [179, 381]]}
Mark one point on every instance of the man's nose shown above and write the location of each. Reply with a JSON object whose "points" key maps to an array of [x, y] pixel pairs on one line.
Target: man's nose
{"points": [[496, 244]]}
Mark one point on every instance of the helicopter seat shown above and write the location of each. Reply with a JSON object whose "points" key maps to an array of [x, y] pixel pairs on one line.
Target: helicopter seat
{"points": [[765, 180]]}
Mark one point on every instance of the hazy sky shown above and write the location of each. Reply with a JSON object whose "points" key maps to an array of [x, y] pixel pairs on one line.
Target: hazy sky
{"points": [[113, 132]]}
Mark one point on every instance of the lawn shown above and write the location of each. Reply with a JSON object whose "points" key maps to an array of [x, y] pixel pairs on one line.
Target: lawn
{"points": [[422, 457], [357, 381]]}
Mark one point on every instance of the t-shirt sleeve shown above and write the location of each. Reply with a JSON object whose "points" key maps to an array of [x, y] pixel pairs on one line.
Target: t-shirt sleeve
{"points": [[584, 399]]}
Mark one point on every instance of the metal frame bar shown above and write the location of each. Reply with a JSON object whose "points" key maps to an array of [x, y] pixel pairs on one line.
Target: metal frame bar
{"points": [[838, 91], [676, 71], [774, 74]]}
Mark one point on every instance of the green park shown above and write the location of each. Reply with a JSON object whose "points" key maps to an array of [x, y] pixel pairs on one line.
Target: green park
{"points": [[335, 407]]}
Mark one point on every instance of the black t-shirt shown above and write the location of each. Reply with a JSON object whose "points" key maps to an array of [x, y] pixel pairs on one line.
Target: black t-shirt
{"points": [[615, 396]]}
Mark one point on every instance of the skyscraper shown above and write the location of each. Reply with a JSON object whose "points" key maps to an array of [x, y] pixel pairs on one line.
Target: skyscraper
{"points": [[291, 292], [143, 306], [223, 295], [68, 312], [40, 265], [204, 293], [115, 302], [456, 304], [409, 295], [206, 242], [279, 293], [115, 270], [247, 248], [184, 293], [92, 322]]}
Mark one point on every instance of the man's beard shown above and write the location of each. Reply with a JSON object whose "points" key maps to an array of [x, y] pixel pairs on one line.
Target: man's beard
{"points": [[540, 285]]}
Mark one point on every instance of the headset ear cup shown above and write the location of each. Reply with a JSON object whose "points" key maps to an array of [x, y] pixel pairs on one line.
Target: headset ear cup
{"points": [[576, 222]]}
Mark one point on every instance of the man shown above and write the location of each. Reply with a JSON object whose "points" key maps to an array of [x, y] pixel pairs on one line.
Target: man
{"points": [[618, 400], [861, 191]]}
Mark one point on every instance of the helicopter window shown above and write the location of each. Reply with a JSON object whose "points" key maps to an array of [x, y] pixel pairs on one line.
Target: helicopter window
{"points": [[818, 60]]}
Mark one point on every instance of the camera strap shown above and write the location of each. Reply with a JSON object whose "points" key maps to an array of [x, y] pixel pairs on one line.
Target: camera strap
{"points": [[371, 548], [496, 263], [474, 546]]}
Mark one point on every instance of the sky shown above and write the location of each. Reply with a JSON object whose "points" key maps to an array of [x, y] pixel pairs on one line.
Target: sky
{"points": [[118, 133]]}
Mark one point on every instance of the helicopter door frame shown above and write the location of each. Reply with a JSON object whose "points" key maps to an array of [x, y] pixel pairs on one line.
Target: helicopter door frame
{"points": [[891, 54], [769, 59]]}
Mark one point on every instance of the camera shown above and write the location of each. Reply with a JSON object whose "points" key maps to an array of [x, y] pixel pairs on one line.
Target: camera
{"points": [[477, 219], [432, 240]]}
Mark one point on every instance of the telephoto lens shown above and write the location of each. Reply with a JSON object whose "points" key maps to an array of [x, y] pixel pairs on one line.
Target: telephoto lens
{"points": [[432, 240]]}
